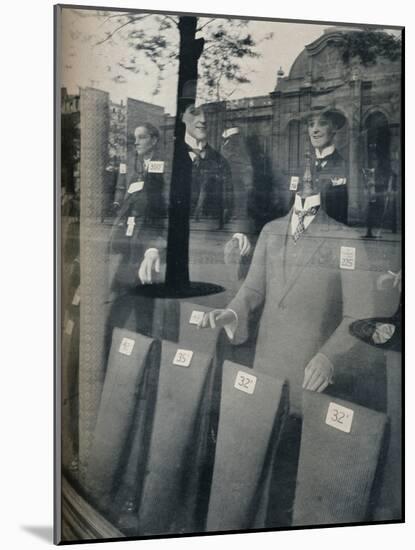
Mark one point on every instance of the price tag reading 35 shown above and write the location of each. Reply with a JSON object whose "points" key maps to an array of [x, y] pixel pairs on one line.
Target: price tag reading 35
{"points": [[339, 417], [183, 357], [245, 382]]}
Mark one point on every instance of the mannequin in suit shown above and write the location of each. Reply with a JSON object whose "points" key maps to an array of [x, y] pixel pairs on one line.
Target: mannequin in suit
{"points": [[137, 240], [329, 170], [309, 289], [309, 279]]}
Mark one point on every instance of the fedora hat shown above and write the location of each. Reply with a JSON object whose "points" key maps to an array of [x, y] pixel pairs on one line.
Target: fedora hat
{"points": [[334, 114]]}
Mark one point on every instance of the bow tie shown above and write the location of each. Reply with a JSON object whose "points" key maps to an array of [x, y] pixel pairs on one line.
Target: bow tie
{"points": [[197, 154]]}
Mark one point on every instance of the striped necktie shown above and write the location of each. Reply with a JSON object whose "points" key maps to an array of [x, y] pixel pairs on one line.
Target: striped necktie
{"points": [[302, 214]]}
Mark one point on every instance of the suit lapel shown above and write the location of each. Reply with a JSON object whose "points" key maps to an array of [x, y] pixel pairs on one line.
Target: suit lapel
{"points": [[298, 256]]}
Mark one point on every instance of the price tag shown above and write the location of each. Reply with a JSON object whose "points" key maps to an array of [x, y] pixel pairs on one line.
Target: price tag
{"points": [[126, 346], [69, 327], [295, 180], [347, 257], [339, 417], [196, 317], [123, 168], [156, 167], [76, 297], [245, 382], [134, 187], [130, 230], [338, 181], [183, 357]]}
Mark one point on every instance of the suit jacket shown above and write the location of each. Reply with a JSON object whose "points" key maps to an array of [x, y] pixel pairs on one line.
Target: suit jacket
{"points": [[148, 208], [212, 192], [235, 151], [307, 300], [332, 177]]}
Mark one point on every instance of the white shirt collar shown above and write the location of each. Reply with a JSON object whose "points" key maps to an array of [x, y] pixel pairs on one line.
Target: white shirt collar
{"points": [[146, 162], [313, 200], [325, 152], [194, 143]]}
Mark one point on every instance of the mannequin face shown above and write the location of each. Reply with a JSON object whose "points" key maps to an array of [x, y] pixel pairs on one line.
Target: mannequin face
{"points": [[321, 131], [195, 121], [144, 142]]}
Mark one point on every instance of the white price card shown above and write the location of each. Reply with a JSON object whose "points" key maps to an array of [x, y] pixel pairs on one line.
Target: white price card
{"points": [[295, 180], [135, 186], [130, 230], [76, 297], [156, 167], [123, 168], [183, 357], [69, 327], [347, 257], [196, 317], [339, 417], [126, 346], [338, 181], [245, 382]]}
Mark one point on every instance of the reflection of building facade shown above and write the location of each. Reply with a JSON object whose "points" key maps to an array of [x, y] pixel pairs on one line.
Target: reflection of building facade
{"points": [[369, 97]]}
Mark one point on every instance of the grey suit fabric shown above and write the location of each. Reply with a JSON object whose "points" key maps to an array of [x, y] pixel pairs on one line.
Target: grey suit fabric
{"points": [[307, 300], [120, 406], [336, 469], [173, 453], [248, 432]]}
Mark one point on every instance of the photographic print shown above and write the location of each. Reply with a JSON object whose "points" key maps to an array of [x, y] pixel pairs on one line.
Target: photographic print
{"points": [[229, 258]]}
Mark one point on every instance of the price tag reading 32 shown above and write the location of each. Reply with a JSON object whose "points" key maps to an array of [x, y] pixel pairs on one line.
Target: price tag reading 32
{"points": [[339, 417], [245, 382], [183, 357]]}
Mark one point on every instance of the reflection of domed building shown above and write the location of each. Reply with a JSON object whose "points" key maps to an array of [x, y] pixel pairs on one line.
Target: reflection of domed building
{"points": [[369, 97]]}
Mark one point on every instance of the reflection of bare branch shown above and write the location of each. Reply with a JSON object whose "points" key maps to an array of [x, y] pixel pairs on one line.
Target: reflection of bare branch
{"points": [[114, 15], [171, 19], [132, 20], [205, 25]]}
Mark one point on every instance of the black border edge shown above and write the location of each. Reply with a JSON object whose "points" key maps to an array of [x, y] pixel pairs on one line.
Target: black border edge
{"points": [[234, 16], [57, 394], [403, 239], [57, 500]]}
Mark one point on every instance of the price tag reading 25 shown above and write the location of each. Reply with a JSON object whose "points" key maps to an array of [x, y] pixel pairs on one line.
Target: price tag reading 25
{"points": [[339, 417], [245, 382]]}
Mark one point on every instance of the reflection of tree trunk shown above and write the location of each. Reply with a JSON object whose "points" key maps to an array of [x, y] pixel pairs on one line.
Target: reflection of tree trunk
{"points": [[177, 270]]}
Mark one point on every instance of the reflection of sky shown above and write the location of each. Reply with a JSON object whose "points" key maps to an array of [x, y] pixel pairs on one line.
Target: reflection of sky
{"points": [[85, 63]]}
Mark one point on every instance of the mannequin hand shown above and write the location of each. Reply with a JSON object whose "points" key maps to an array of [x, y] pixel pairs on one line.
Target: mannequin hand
{"points": [[150, 264], [217, 318], [243, 243], [318, 373], [389, 279]]}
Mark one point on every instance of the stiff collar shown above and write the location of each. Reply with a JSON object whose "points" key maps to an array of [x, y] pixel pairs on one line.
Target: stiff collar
{"points": [[194, 143], [310, 202], [329, 150]]}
